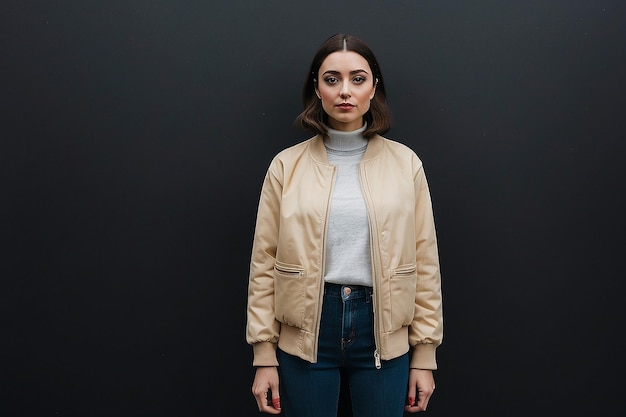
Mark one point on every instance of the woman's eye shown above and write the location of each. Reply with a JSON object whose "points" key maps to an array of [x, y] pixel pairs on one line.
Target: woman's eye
{"points": [[331, 80], [359, 79]]}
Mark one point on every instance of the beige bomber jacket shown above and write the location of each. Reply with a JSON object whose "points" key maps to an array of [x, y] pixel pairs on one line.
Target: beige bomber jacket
{"points": [[287, 261]]}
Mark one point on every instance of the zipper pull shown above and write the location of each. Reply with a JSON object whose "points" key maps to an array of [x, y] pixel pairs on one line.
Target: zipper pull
{"points": [[377, 359]]}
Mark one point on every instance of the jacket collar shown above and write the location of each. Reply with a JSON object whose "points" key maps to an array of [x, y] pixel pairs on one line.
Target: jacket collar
{"points": [[318, 150]]}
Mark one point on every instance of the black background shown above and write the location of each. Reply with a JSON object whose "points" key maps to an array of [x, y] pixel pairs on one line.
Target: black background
{"points": [[135, 135]]}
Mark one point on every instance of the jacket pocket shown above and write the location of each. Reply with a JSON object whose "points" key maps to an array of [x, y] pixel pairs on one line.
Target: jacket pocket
{"points": [[290, 285], [402, 285]]}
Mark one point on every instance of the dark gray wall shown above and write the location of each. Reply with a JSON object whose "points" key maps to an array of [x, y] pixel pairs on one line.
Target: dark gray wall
{"points": [[135, 138]]}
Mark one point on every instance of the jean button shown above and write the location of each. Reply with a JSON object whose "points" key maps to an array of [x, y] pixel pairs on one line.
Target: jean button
{"points": [[347, 290]]}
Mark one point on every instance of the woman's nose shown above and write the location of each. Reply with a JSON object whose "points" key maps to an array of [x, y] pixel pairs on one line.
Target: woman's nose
{"points": [[345, 90]]}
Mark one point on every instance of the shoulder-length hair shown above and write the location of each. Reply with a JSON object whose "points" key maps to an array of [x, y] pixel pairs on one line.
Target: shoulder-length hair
{"points": [[314, 118]]}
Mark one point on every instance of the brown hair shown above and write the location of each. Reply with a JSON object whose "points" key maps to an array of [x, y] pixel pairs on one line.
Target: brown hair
{"points": [[314, 118]]}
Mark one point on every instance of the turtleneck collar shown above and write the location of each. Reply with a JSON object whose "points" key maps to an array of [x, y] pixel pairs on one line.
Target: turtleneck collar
{"points": [[338, 140]]}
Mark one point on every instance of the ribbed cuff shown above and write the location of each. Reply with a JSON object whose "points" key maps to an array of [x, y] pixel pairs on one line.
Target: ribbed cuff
{"points": [[423, 356], [264, 354]]}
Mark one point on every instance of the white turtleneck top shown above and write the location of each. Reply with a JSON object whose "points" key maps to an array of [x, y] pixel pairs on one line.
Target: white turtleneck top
{"points": [[348, 256]]}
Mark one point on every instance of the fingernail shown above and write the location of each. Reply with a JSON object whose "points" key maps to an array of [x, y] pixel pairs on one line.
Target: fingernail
{"points": [[276, 402], [411, 400]]}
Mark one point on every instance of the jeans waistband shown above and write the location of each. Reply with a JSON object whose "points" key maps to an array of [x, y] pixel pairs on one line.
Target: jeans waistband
{"points": [[347, 291]]}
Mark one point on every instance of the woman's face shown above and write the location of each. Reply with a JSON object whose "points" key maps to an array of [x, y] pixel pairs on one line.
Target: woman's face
{"points": [[345, 84]]}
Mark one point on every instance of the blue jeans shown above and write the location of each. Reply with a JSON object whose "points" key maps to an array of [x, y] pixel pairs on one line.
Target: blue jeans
{"points": [[346, 347]]}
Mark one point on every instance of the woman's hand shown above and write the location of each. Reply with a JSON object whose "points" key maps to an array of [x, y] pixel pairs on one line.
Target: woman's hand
{"points": [[266, 382], [421, 387]]}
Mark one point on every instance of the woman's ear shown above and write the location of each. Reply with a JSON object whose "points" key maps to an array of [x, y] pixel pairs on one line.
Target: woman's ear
{"points": [[317, 92], [374, 89]]}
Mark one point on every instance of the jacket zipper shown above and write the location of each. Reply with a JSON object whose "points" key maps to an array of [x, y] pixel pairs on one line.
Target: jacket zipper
{"points": [[373, 245], [323, 266]]}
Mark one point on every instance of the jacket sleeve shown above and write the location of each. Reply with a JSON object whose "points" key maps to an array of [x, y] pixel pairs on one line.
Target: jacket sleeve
{"points": [[426, 330], [262, 328]]}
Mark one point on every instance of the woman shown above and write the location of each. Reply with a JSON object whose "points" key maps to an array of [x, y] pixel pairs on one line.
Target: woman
{"points": [[344, 275]]}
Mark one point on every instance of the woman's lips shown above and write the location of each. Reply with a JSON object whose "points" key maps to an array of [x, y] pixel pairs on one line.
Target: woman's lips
{"points": [[345, 106]]}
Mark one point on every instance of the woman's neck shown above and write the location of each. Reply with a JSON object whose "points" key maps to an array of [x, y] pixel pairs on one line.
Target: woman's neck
{"points": [[340, 140]]}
